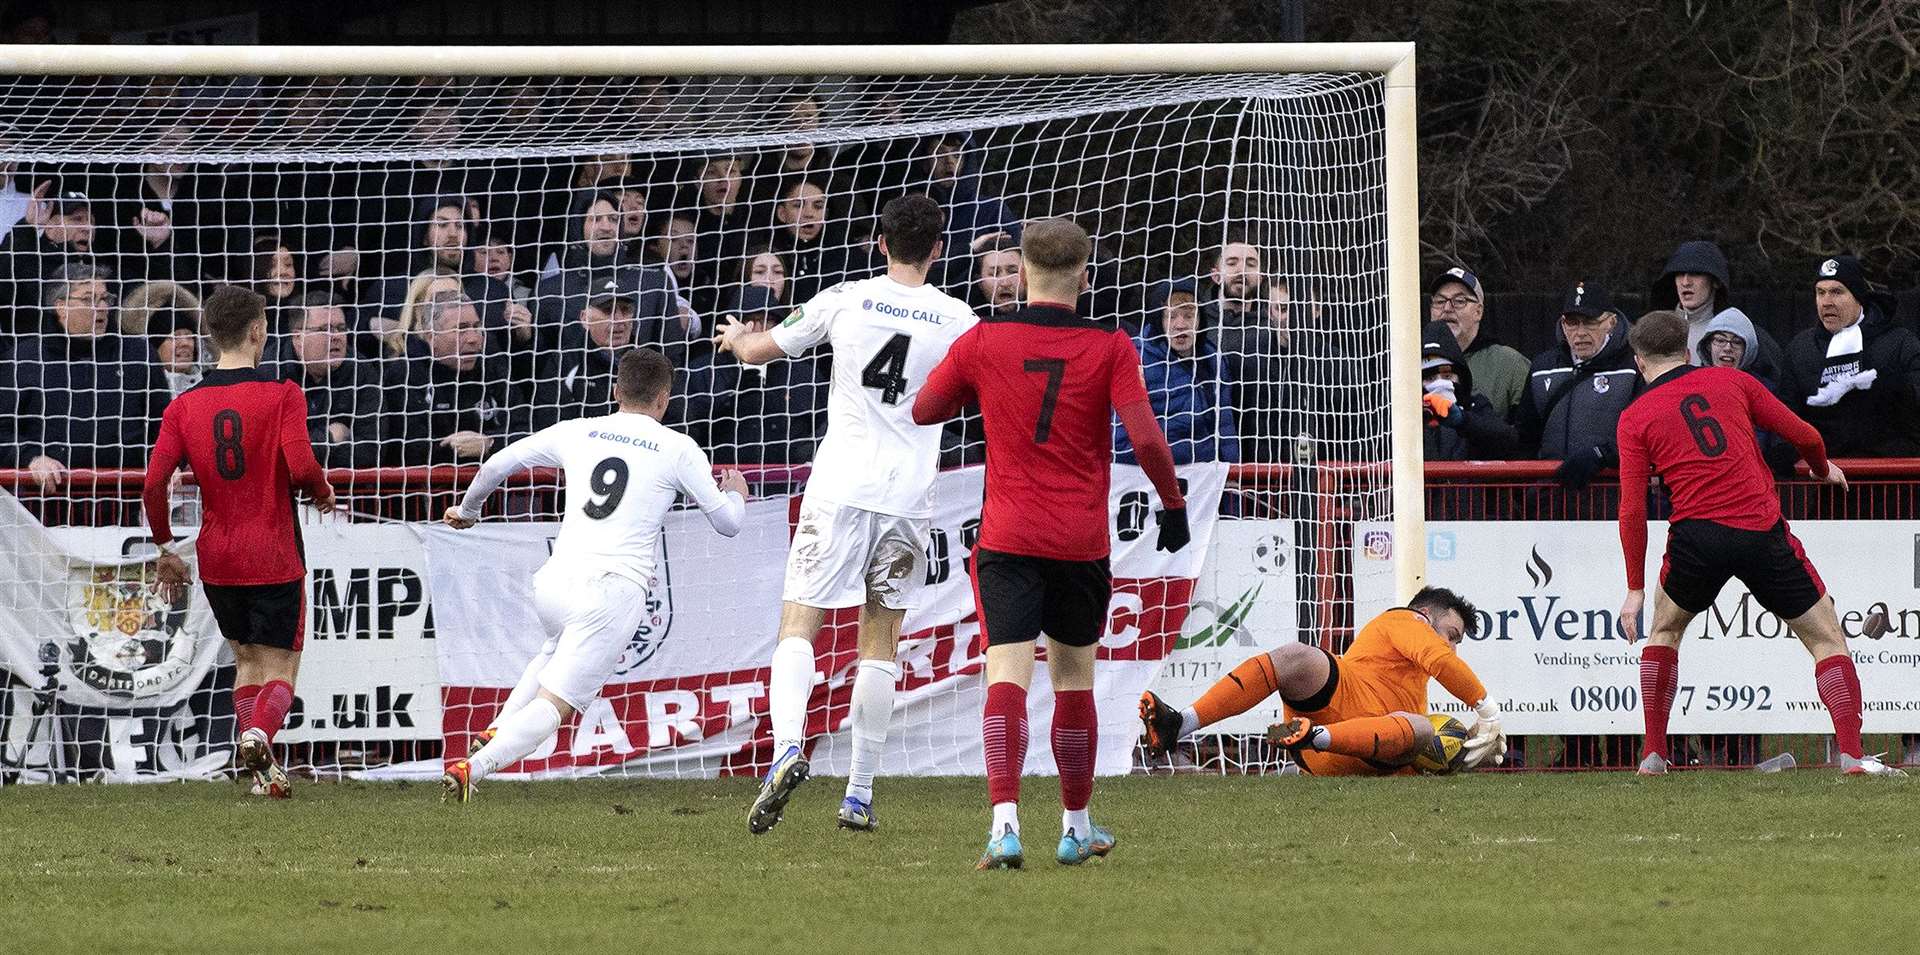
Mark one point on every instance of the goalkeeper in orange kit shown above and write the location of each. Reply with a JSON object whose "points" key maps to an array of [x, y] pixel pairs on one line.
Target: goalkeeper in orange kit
{"points": [[1363, 713]]}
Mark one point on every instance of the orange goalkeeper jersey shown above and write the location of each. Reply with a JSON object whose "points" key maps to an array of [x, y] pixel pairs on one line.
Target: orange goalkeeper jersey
{"points": [[1396, 653]]}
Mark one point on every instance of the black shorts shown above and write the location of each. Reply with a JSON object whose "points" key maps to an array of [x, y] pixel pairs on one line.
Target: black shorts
{"points": [[261, 615], [1021, 597], [1703, 555]]}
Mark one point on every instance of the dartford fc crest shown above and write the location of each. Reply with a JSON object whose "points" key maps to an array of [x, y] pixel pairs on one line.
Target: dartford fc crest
{"points": [[1601, 385], [127, 641], [658, 620]]}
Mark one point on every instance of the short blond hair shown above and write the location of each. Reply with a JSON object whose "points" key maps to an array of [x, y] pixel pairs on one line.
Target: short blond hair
{"points": [[1055, 247], [1660, 334]]}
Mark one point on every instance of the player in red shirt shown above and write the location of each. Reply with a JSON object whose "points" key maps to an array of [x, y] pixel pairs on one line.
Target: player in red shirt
{"points": [[243, 433], [1048, 382], [1695, 428]]}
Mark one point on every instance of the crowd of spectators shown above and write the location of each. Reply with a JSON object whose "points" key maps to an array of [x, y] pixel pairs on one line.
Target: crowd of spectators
{"points": [[434, 310], [1854, 375]]}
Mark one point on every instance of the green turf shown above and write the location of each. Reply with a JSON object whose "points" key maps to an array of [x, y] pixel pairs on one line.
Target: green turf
{"points": [[1695, 862]]}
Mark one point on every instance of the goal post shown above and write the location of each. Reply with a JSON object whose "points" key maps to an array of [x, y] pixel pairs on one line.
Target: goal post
{"points": [[401, 185]]}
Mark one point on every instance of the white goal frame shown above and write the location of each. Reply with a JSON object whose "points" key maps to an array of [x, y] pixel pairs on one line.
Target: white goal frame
{"points": [[1394, 60]]}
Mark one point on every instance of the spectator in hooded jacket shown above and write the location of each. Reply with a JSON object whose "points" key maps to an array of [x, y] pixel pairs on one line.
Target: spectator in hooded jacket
{"points": [[81, 396], [1855, 376], [1697, 283], [1456, 298], [1577, 389], [1461, 423], [1730, 341], [1185, 380]]}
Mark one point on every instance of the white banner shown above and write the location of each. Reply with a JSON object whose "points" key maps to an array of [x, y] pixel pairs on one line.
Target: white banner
{"points": [[692, 699], [370, 670], [1548, 648], [1243, 604], [77, 605]]}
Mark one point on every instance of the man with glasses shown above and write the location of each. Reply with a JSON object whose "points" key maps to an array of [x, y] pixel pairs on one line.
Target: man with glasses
{"points": [[1577, 389], [82, 395], [1456, 299], [343, 391]]}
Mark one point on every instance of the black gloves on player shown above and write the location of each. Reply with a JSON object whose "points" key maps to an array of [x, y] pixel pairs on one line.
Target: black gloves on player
{"points": [[1578, 469], [1173, 529]]}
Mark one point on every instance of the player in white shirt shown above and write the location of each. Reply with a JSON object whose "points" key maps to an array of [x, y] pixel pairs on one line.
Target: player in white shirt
{"points": [[861, 538], [623, 472]]}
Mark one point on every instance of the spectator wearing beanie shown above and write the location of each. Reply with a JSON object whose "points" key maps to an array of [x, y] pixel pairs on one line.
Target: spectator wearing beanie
{"points": [[1855, 376], [1461, 424]]}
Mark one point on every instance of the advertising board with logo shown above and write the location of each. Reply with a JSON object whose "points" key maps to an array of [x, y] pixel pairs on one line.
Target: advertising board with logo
{"points": [[1549, 647]]}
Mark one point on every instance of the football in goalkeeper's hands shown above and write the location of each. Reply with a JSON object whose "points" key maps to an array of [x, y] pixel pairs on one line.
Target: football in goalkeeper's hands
{"points": [[1445, 753]]}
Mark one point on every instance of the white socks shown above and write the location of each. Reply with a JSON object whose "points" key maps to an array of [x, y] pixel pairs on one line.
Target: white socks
{"points": [[517, 735], [868, 716], [528, 687], [1077, 822], [791, 684], [1006, 816], [1189, 721]]}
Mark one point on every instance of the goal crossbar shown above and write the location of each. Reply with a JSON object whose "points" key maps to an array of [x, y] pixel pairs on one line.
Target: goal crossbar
{"points": [[960, 60]]}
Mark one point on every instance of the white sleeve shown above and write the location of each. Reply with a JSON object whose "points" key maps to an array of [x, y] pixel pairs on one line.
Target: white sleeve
{"points": [[807, 326], [725, 510], [541, 449]]}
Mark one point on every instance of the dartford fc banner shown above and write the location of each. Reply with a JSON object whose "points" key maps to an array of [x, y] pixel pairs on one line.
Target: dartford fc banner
{"points": [[1550, 651], [689, 697]]}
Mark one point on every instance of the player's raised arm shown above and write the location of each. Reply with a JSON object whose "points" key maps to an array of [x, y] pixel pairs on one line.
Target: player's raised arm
{"points": [[725, 502], [1127, 391], [296, 449], [540, 449], [804, 328], [1772, 414]]}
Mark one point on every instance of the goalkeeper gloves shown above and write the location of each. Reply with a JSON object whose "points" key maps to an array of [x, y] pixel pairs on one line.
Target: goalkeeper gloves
{"points": [[1486, 740], [1173, 529]]}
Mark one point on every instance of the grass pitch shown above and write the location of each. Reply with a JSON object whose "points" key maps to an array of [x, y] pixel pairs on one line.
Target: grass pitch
{"points": [[1694, 862]]}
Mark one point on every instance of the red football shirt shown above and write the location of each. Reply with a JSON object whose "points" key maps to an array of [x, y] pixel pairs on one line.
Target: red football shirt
{"points": [[1695, 428], [244, 436], [1048, 382]]}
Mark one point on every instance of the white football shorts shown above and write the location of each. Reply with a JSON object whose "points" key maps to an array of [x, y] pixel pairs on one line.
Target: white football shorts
{"points": [[842, 556], [590, 618]]}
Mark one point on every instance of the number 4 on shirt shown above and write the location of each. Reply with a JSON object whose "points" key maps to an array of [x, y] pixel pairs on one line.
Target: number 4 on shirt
{"points": [[886, 373]]}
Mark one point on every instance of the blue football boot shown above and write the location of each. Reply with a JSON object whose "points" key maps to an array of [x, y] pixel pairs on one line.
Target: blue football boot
{"points": [[783, 777]]}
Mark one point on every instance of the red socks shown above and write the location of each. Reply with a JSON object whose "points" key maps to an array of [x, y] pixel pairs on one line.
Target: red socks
{"points": [[270, 707], [243, 698], [1003, 727], [1839, 687], [1076, 735], [1659, 681]]}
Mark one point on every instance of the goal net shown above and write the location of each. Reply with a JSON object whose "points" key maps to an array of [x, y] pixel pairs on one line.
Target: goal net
{"points": [[453, 262]]}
